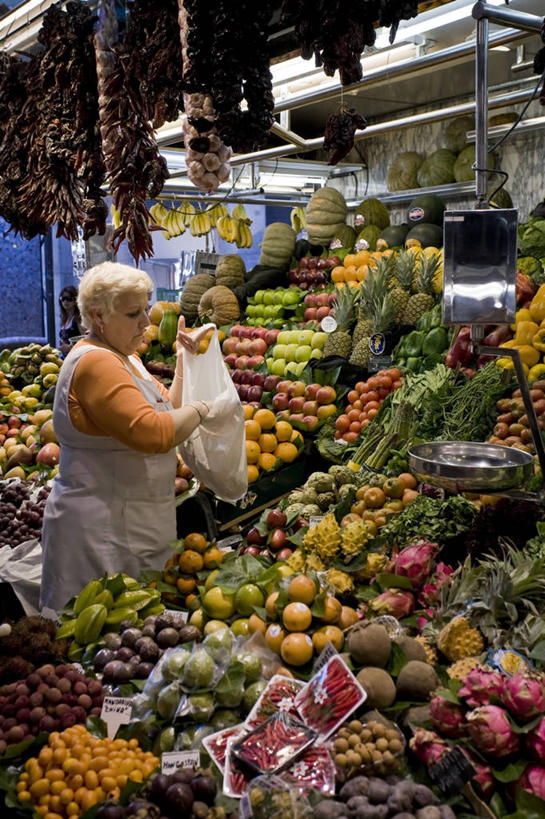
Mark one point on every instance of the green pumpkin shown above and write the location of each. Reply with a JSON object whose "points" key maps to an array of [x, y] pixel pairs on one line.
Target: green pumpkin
{"points": [[437, 169], [230, 271], [463, 167], [168, 329], [278, 245], [344, 239], [402, 173], [192, 293], [326, 213]]}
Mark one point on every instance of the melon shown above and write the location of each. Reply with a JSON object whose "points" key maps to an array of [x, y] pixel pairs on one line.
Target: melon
{"points": [[395, 235], [372, 212], [463, 167], [402, 173], [437, 169], [455, 133], [326, 212], [427, 208], [344, 239], [428, 235], [369, 234]]}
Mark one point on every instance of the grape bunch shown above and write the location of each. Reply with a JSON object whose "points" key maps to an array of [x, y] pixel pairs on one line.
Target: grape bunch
{"points": [[20, 517]]}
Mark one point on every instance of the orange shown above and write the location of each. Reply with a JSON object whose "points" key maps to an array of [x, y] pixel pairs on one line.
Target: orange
{"points": [[296, 649], [351, 259], [327, 634], [267, 461], [348, 617], [265, 418], [374, 498], [248, 411], [350, 273], [196, 541], [337, 275], [408, 496], [270, 605], [286, 452], [283, 431], [362, 272], [362, 257], [274, 637], [253, 430], [212, 557], [333, 609], [151, 333], [302, 589], [296, 437], [267, 442], [408, 480], [190, 562], [253, 473], [170, 576], [186, 584], [297, 616], [255, 623], [252, 452]]}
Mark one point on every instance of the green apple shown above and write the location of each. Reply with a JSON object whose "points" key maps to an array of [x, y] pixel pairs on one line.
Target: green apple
{"points": [[268, 312], [278, 296], [268, 298], [252, 310], [251, 322], [279, 351], [291, 352], [258, 296], [260, 321], [318, 341], [305, 336], [279, 322], [303, 353], [269, 362], [278, 366], [283, 337], [317, 354], [290, 297], [278, 311], [300, 367], [291, 367]]}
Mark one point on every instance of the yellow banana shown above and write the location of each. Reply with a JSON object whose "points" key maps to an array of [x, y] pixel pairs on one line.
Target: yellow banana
{"points": [[223, 226], [298, 218], [158, 213], [187, 209], [194, 225], [206, 225], [239, 212]]}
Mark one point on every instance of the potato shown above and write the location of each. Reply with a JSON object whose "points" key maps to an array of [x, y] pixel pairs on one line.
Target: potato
{"points": [[430, 812], [379, 791], [329, 810], [356, 787], [424, 796]]}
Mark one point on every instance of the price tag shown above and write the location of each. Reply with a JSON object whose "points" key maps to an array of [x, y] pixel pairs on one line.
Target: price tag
{"points": [[173, 760], [379, 362], [328, 324], [228, 543], [116, 711], [178, 617], [452, 772], [324, 657], [314, 520]]}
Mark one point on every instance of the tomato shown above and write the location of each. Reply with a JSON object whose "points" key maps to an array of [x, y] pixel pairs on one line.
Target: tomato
{"points": [[383, 392], [359, 386], [369, 514], [396, 384], [371, 396], [371, 527], [373, 382], [364, 388], [355, 426], [350, 437], [394, 373], [365, 423], [357, 405], [352, 396], [342, 423], [353, 415], [338, 434], [384, 381], [380, 521]]}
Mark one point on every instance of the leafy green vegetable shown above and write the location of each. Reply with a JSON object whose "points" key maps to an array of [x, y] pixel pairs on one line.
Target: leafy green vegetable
{"points": [[431, 519], [531, 237]]}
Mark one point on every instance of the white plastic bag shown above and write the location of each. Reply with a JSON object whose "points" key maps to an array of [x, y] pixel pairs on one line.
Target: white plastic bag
{"points": [[216, 451]]}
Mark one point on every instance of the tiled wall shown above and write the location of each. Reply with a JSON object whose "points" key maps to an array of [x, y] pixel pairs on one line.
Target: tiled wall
{"points": [[21, 311]]}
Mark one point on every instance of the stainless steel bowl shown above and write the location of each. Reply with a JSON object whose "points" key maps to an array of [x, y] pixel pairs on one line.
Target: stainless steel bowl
{"points": [[464, 466]]}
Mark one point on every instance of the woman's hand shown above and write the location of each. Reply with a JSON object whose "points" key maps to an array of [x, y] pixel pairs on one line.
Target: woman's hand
{"points": [[188, 340]]}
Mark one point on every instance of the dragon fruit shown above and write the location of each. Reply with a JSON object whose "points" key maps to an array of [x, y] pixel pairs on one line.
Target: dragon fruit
{"points": [[535, 741], [415, 562], [393, 601], [481, 684], [483, 775], [533, 780], [429, 593], [524, 695], [448, 718], [491, 732], [428, 746]]}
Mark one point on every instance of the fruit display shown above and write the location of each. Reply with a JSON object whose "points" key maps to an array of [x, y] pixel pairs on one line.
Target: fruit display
{"points": [[193, 555], [294, 349], [318, 306], [29, 448], [368, 796], [21, 512], [30, 371], [364, 403], [51, 698], [312, 271], [269, 443], [370, 747], [27, 644], [512, 427], [304, 405], [272, 306], [245, 348]]}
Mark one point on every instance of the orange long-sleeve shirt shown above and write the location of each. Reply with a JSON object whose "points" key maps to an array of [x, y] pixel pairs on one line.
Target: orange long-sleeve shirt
{"points": [[104, 400]]}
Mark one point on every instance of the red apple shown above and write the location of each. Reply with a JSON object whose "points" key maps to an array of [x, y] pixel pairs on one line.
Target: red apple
{"points": [[310, 300], [280, 401], [246, 377], [321, 313], [311, 421], [271, 336], [278, 541], [229, 345], [283, 386], [243, 346], [283, 554], [311, 313], [243, 391], [253, 537], [310, 408], [258, 346], [297, 388], [255, 361], [303, 263], [276, 519], [296, 404], [258, 380], [251, 550], [236, 330], [255, 393], [236, 375], [299, 523], [242, 362], [271, 382], [326, 395], [311, 391], [231, 360]]}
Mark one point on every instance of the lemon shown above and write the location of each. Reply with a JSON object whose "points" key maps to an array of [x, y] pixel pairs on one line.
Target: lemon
{"points": [[217, 604]]}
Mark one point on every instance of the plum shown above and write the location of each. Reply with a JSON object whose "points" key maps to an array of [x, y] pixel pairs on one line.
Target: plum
{"points": [[179, 798], [147, 648], [130, 636], [112, 640], [110, 810], [53, 696]]}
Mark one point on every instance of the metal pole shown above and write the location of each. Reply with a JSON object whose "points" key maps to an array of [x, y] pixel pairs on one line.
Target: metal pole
{"points": [[505, 16], [481, 112]]}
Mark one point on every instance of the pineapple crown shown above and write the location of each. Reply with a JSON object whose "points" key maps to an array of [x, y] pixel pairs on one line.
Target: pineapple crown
{"points": [[405, 265], [428, 266], [384, 315], [344, 306], [375, 286]]}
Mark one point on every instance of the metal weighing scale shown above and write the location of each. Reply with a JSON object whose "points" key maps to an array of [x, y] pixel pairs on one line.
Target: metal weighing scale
{"points": [[479, 279]]}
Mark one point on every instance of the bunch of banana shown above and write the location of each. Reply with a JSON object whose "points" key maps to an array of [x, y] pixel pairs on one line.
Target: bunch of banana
{"points": [[298, 218], [228, 228], [216, 213], [200, 224], [239, 212], [244, 238], [102, 605], [187, 209], [158, 213], [170, 219]]}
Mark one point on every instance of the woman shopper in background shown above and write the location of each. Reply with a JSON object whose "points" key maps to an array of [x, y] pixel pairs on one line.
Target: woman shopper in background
{"points": [[112, 505], [71, 325]]}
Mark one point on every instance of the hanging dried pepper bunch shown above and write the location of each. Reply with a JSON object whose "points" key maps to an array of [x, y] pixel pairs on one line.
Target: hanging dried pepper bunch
{"points": [[206, 155], [240, 47], [17, 125], [337, 31], [136, 171], [339, 132], [152, 44]]}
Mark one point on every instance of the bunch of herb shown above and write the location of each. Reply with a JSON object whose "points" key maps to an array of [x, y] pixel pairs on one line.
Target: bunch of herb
{"points": [[432, 519]]}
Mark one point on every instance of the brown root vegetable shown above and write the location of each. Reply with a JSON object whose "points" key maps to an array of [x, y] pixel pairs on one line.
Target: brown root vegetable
{"points": [[369, 644], [380, 687], [416, 681]]}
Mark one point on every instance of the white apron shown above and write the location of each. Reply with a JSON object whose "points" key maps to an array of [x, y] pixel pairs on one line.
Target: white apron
{"points": [[111, 509]]}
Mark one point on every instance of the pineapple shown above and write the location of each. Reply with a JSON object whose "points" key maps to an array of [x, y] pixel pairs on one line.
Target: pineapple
{"points": [[458, 640], [403, 282], [339, 342], [424, 300], [354, 537], [383, 318]]}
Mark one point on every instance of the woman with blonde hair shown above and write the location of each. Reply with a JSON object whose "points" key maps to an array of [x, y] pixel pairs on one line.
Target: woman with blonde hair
{"points": [[112, 506]]}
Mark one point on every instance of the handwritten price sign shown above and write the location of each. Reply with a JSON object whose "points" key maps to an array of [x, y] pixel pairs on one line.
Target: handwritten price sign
{"points": [[116, 711], [173, 760]]}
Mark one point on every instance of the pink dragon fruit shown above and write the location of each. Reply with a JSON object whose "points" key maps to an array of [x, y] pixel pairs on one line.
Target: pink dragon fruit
{"points": [[483, 776], [429, 593], [428, 746], [415, 562], [524, 695], [398, 602], [533, 780], [491, 732], [480, 684], [535, 741], [448, 718]]}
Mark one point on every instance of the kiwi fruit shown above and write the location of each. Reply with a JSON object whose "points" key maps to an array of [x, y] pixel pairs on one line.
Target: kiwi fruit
{"points": [[369, 644], [380, 687], [416, 681]]}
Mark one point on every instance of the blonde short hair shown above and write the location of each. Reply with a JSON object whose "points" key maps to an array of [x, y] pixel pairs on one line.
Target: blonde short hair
{"points": [[102, 285]]}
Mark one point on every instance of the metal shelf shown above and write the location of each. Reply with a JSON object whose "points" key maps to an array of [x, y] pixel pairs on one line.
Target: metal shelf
{"points": [[456, 190]]}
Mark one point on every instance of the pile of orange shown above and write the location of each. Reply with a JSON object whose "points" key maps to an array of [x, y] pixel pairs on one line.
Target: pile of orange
{"points": [[269, 443], [295, 633], [181, 569], [356, 267], [377, 503]]}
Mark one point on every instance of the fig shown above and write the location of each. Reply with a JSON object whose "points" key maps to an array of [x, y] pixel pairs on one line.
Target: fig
{"points": [[179, 798], [147, 648]]}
